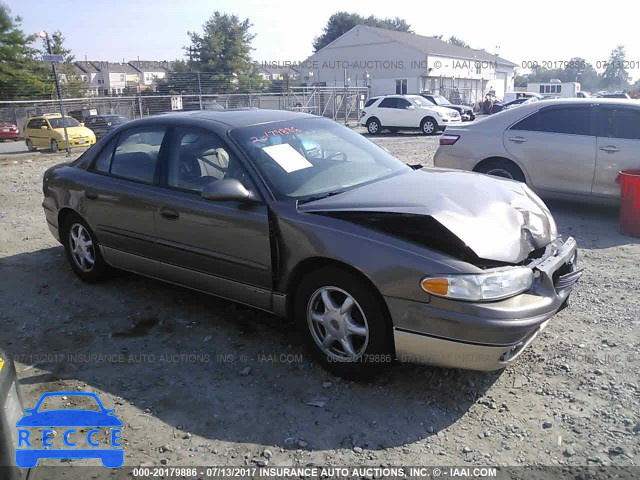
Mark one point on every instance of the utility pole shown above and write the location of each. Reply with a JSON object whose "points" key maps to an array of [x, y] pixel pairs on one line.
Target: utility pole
{"points": [[45, 35]]}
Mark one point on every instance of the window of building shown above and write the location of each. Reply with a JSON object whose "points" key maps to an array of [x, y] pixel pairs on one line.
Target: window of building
{"points": [[401, 86]]}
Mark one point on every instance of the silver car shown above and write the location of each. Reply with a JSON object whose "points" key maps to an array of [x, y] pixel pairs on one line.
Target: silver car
{"points": [[572, 147]]}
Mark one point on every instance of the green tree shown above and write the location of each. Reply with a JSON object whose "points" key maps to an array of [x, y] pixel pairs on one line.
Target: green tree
{"points": [[222, 55], [341, 22], [71, 84], [615, 74], [575, 70], [17, 60], [457, 41]]}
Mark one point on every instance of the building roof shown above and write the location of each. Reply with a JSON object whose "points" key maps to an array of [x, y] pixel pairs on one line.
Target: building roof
{"points": [[87, 67], [110, 67], [435, 46], [151, 65]]}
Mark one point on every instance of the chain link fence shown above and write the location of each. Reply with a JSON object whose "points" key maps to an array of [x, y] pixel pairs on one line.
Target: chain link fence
{"points": [[341, 104]]}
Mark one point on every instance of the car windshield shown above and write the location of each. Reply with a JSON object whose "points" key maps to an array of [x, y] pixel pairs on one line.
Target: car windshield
{"points": [[63, 122], [421, 102], [312, 158], [440, 100], [115, 120]]}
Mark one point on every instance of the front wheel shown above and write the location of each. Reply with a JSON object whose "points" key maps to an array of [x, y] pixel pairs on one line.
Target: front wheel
{"points": [[30, 146], [345, 323], [54, 146], [83, 251], [429, 126]]}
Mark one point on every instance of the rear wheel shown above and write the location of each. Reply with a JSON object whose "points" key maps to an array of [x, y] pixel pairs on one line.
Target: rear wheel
{"points": [[83, 251], [54, 146], [500, 167], [30, 146], [373, 126], [345, 323], [429, 126]]}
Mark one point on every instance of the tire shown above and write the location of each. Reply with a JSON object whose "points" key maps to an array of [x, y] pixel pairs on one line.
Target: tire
{"points": [[429, 126], [362, 336], [502, 168], [30, 146], [374, 126], [54, 146], [83, 250]]}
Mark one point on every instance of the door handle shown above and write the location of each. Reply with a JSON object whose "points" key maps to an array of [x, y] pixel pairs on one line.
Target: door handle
{"points": [[610, 149], [518, 139], [91, 195], [169, 213]]}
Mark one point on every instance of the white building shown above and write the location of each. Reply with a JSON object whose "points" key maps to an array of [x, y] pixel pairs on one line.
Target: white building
{"points": [[398, 62], [150, 72]]}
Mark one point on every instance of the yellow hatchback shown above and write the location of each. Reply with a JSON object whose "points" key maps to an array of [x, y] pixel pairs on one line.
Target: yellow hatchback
{"points": [[47, 131]]}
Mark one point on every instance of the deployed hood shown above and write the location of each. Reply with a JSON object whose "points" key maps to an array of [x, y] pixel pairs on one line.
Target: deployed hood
{"points": [[497, 219], [439, 109]]}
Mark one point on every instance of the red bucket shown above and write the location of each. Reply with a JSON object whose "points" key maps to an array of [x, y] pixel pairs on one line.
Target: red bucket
{"points": [[629, 181]]}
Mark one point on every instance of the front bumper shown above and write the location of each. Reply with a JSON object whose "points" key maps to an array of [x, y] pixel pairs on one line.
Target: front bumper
{"points": [[77, 142], [485, 336]]}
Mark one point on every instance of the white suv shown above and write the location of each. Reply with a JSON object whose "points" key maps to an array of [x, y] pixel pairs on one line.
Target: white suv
{"points": [[393, 112]]}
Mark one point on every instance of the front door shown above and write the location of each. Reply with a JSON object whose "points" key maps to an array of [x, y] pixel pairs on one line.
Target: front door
{"points": [[222, 247], [618, 146]]}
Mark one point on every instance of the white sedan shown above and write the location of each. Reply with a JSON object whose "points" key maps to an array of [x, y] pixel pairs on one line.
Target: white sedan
{"points": [[394, 112]]}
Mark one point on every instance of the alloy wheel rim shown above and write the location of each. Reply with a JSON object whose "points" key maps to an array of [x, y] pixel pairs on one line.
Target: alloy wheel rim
{"points": [[373, 127], [337, 323], [428, 127], [500, 172], [82, 249]]}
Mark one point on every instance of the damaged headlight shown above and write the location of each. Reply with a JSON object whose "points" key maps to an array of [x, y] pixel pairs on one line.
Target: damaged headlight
{"points": [[494, 285]]}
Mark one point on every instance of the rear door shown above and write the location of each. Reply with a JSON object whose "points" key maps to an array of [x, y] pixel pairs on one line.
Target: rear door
{"points": [[222, 247], [618, 145], [120, 196], [387, 112], [557, 147]]}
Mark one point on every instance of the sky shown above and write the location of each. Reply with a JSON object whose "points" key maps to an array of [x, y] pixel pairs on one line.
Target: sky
{"points": [[113, 30]]}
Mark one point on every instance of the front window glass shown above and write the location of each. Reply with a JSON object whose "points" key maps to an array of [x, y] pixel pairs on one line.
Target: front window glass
{"points": [[63, 122], [304, 159]]}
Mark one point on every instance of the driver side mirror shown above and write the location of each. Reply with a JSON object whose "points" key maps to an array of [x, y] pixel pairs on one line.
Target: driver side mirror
{"points": [[228, 189], [410, 107], [44, 127]]}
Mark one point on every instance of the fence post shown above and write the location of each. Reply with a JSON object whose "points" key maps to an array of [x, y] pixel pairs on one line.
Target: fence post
{"points": [[140, 105], [199, 91]]}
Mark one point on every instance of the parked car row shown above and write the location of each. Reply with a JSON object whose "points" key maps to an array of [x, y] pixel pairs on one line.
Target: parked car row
{"points": [[563, 147], [302, 217], [50, 130]]}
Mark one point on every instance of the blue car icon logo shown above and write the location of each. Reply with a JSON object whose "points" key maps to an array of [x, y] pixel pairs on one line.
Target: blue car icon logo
{"points": [[29, 451]]}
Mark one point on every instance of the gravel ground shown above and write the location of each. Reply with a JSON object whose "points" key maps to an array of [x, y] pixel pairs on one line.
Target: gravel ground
{"points": [[202, 381]]}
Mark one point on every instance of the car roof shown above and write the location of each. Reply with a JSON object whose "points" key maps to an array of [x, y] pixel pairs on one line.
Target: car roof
{"points": [[240, 117]]}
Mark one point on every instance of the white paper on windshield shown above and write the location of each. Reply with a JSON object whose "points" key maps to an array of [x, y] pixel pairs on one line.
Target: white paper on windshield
{"points": [[287, 157]]}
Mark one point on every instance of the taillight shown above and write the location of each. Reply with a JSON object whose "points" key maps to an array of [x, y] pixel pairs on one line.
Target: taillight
{"points": [[362, 113], [449, 139]]}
